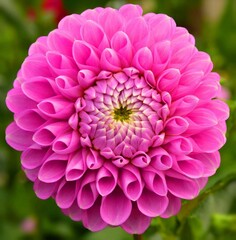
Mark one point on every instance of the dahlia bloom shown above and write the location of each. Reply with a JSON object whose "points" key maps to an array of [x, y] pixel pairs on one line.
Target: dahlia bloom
{"points": [[117, 118]]}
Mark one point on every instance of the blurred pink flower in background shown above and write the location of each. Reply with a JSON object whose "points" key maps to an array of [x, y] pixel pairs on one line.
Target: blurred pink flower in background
{"points": [[116, 117]]}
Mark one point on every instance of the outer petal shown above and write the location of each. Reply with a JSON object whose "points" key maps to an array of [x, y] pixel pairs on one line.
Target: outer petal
{"points": [[115, 208]]}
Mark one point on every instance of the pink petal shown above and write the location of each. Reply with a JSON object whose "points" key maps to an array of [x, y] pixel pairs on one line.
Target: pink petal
{"points": [[173, 206], [60, 42], [61, 65], [130, 11], [115, 208], [94, 35], [179, 145], [130, 182], [66, 143], [88, 192], [68, 87], [66, 194], [211, 162], [38, 88], [56, 107], [93, 159], [92, 219], [141, 159], [39, 47], [137, 30], [184, 105], [111, 21], [121, 44], [44, 190], [29, 120], [17, 102], [189, 167], [110, 60], [209, 141], [85, 56], [165, 27], [18, 138], [36, 66], [155, 181], [86, 78], [76, 166], [181, 186], [176, 125], [74, 212], [160, 158], [151, 204], [106, 179], [137, 223], [168, 80], [71, 25], [143, 59], [33, 157], [47, 134], [53, 168]]}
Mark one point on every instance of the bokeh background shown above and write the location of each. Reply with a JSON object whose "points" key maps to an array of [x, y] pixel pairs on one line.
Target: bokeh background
{"points": [[211, 216]]}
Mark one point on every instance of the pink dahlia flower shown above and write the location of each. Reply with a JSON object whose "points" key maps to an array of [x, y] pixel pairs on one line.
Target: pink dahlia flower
{"points": [[116, 116]]}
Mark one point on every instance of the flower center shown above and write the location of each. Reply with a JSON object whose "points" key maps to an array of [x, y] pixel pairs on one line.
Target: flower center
{"points": [[122, 114]]}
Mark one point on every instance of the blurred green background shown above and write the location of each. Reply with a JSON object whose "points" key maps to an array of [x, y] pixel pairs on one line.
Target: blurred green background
{"points": [[211, 216]]}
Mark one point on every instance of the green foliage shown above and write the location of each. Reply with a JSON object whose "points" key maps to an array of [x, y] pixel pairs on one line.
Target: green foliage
{"points": [[212, 215]]}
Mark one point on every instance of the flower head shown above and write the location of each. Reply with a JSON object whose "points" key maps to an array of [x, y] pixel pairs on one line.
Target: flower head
{"points": [[116, 116]]}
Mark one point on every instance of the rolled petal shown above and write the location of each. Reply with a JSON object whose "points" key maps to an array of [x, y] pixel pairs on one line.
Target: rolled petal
{"points": [[173, 206], [46, 135], [88, 193], [189, 167], [39, 88], [211, 162], [151, 204], [137, 223], [18, 138], [110, 60], [115, 208], [141, 159], [130, 182], [181, 186], [121, 44], [86, 78], [111, 21], [74, 212], [143, 59], [176, 126], [168, 80], [68, 87], [56, 107], [160, 158], [85, 56], [76, 166], [29, 120], [17, 102], [33, 157], [61, 65], [179, 145], [60, 42], [66, 143], [93, 159], [53, 169], [92, 219], [94, 35], [44, 190], [66, 194], [137, 30], [155, 181], [106, 179]]}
